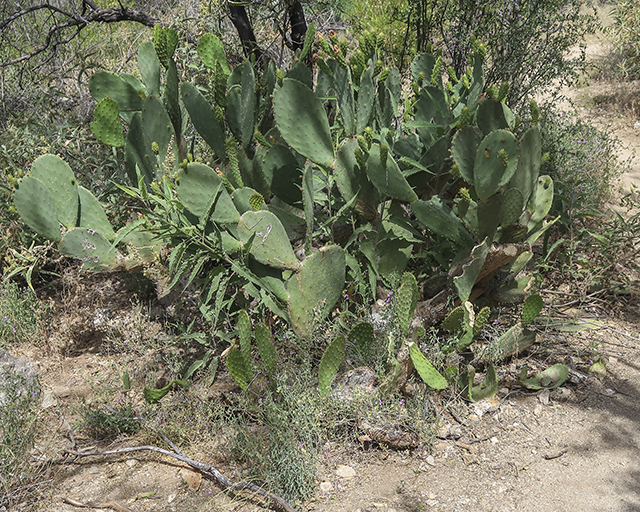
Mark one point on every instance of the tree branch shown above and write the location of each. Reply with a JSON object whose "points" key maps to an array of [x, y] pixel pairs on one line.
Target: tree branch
{"points": [[74, 20]]}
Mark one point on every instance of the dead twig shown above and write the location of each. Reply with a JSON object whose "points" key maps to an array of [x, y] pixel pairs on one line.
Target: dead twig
{"points": [[114, 505], [277, 501], [555, 455]]}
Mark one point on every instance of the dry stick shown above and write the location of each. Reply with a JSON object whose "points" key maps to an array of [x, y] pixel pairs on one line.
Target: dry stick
{"points": [[200, 466]]}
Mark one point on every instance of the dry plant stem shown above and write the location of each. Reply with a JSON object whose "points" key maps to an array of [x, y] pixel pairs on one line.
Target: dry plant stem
{"points": [[114, 505], [279, 502]]}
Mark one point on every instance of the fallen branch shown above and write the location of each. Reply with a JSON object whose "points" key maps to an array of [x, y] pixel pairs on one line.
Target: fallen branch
{"points": [[114, 505], [277, 501]]}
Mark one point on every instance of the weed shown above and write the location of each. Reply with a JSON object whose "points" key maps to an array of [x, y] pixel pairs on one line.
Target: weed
{"points": [[18, 428], [22, 316], [103, 422]]}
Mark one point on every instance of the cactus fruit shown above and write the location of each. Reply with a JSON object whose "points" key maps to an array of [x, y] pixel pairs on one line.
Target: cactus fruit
{"points": [[302, 122], [425, 369], [330, 363], [106, 127]]}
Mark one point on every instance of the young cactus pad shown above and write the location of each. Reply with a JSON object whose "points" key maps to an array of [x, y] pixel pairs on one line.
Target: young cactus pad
{"points": [[330, 362], [425, 369], [302, 121]]}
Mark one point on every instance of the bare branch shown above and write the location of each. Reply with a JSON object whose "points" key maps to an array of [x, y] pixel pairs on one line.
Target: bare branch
{"points": [[73, 20]]}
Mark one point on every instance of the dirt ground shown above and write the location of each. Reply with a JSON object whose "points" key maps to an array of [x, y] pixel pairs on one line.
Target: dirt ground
{"points": [[576, 448]]}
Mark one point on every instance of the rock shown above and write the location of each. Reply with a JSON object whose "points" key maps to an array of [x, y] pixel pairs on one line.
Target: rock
{"points": [[354, 382], [48, 400], [389, 434], [192, 478], [345, 471], [326, 487], [18, 377]]}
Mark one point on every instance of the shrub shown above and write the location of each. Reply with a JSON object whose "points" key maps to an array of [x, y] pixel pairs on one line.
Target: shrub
{"points": [[529, 43], [583, 162], [625, 33]]}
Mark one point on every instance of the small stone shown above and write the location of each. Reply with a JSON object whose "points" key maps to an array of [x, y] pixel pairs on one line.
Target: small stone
{"points": [[192, 478], [432, 503], [131, 462], [430, 460], [171, 497], [49, 400], [543, 396], [61, 391], [326, 487], [494, 440], [345, 471]]}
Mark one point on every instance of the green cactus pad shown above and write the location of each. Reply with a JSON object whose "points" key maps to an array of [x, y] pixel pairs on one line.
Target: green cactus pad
{"points": [[351, 180], [529, 158], [531, 308], [551, 378], [237, 368], [471, 270], [204, 119], [487, 388], [330, 363], [211, 51], [172, 98], [106, 127], [149, 66], [432, 114], [242, 107], [436, 216], [489, 216], [90, 247], [430, 376], [514, 341], [92, 215], [342, 85], [283, 174], [300, 72], [491, 116], [103, 84], [541, 201], [243, 326], [196, 185], [388, 179], [405, 302], [58, 177], [270, 243], [489, 174], [314, 291], [266, 349], [242, 199], [37, 208], [481, 320], [365, 102], [453, 322], [302, 122], [362, 335], [512, 206], [464, 148]]}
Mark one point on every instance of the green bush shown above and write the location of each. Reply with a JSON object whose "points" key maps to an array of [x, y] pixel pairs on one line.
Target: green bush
{"points": [[625, 33], [583, 162], [529, 43], [22, 317]]}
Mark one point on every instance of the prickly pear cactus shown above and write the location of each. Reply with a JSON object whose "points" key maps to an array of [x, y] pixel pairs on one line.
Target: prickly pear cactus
{"points": [[243, 326], [531, 309], [330, 362], [430, 376], [406, 300], [237, 368], [266, 349]]}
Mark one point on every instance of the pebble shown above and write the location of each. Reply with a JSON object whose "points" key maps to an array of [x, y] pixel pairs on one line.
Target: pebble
{"points": [[345, 471], [326, 486], [49, 400]]}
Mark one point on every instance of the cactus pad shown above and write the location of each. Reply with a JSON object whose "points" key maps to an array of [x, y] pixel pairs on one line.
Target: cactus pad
{"points": [[330, 362], [425, 369]]}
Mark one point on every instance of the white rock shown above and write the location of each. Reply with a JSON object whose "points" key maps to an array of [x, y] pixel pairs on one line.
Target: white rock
{"points": [[326, 486], [345, 471]]}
